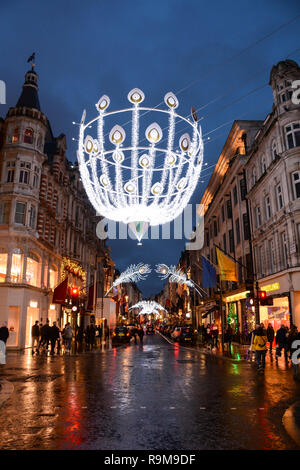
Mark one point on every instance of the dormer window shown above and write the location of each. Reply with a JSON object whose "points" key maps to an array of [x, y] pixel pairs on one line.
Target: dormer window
{"points": [[28, 136]]}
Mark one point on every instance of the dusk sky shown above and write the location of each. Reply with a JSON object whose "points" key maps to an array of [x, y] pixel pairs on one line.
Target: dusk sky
{"points": [[191, 47]]}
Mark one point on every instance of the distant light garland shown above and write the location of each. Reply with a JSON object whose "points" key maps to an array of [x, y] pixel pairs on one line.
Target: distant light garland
{"points": [[157, 182], [134, 273], [148, 307]]}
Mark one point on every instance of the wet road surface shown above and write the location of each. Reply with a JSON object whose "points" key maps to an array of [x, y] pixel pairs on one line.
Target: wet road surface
{"points": [[155, 396]]}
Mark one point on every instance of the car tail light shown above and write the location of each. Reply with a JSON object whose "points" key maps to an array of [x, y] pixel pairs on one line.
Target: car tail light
{"points": [[127, 334]]}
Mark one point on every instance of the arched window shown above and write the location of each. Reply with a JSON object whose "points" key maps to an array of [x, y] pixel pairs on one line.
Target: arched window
{"points": [[33, 270], [16, 265], [274, 150], [52, 276], [28, 136]]}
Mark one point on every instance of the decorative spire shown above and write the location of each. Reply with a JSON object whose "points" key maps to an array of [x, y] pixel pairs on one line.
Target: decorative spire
{"points": [[29, 97]]}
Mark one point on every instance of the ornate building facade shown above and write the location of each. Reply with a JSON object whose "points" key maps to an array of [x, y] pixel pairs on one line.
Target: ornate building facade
{"points": [[47, 225]]}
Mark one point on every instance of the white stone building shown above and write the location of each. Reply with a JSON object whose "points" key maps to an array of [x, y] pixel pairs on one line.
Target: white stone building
{"points": [[273, 180]]}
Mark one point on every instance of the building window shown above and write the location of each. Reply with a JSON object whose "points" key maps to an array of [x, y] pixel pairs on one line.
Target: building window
{"points": [[224, 242], [292, 133], [10, 176], [32, 217], [235, 199], [237, 231], [14, 137], [254, 176], [3, 266], [215, 228], [35, 180], [24, 177], [274, 150], [223, 213], [39, 142], [284, 251], [263, 165], [28, 136], [16, 265], [268, 212], [243, 189], [4, 212], [32, 270], [20, 213], [279, 197], [52, 277], [246, 227], [258, 216], [296, 184], [271, 256], [231, 241], [229, 209]]}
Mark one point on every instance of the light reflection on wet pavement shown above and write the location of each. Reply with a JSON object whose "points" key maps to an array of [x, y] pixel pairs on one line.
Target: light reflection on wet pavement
{"points": [[157, 396]]}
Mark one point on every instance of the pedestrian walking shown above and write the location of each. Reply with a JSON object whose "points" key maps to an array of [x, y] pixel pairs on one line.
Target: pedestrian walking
{"points": [[68, 335], [270, 336], [92, 335], [54, 336], [252, 336], [4, 334], [87, 337], [215, 334], [100, 334], [45, 335], [228, 338], [208, 335], [141, 334], [281, 343], [35, 335], [260, 346]]}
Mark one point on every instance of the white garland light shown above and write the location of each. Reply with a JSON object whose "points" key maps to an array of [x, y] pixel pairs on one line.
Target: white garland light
{"points": [[175, 276], [148, 307], [133, 180], [134, 273]]}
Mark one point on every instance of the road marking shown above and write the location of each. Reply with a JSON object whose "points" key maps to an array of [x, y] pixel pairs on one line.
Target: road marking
{"points": [[202, 408], [143, 407]]}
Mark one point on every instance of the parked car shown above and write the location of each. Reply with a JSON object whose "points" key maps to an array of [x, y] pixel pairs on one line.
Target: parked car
{"points": [[150, 330], [121, 334]]}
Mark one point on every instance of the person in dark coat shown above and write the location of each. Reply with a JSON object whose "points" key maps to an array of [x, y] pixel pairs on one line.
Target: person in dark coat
{"points": [[140, 332], [46, 333], [54, 336], [4, 334], [270, 336], [281, 342], [35, 334], [92, 335]]}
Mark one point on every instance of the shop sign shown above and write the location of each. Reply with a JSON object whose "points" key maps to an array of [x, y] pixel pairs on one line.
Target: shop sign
{"points": [[271, 287]]}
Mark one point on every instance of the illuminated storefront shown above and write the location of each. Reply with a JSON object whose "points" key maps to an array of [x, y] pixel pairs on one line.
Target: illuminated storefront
{"points": [[280, 312]]}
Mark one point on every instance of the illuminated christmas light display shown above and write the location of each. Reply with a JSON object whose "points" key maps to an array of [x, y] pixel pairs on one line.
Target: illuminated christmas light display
{"points": [[175, 276], [138, 180], [134, 273], [148, 307]]}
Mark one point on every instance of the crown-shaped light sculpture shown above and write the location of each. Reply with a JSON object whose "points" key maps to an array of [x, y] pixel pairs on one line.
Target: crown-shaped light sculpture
{"points": [[147, 176]]}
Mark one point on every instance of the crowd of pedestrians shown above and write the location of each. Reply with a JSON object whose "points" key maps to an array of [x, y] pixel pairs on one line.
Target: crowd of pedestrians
{"points": [[287, 340], [82, 339]]}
